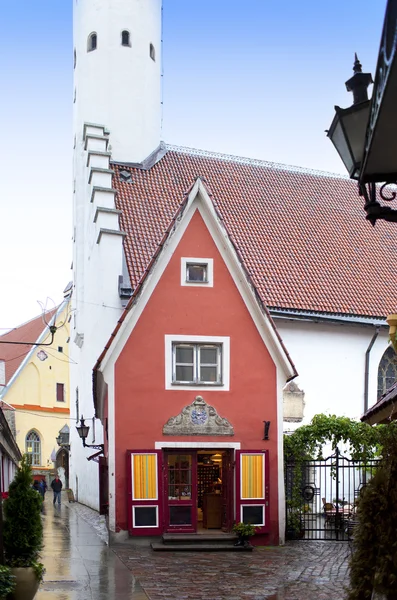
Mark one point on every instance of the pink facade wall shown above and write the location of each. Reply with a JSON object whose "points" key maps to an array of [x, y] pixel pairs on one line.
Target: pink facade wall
{"points": [[143, 405]]}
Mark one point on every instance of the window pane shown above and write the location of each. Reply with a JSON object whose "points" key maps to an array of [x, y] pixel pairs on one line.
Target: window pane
{"points": [[184, 354], [208, 374], [253, 515], [145, 516], [180, 515], [208, 356], [184, 373], [196, 272]]}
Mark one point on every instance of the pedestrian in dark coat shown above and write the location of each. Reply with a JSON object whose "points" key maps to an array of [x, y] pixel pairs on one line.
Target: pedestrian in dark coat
{"points": [[56, 485]]}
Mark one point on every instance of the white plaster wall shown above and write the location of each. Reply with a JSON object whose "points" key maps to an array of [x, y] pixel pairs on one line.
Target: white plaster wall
{"points": [[330, 360], [116, 85]]}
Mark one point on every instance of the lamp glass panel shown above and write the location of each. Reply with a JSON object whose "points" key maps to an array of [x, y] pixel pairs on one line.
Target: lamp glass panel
{"points": [[338, 139], [355, 124]]}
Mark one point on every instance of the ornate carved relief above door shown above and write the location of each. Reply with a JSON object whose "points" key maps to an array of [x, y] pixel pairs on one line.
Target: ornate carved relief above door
{"points": [[198, 418]]}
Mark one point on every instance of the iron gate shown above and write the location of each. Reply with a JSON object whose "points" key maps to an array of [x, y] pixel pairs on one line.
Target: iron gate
{"points": [[321, 496]]}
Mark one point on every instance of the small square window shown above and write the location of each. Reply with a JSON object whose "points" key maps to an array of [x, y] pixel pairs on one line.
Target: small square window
{"points": [[197, 272]]}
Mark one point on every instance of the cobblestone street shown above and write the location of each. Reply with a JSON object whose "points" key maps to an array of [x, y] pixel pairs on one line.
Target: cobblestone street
{"points": [[80, 565], [298, 571]]}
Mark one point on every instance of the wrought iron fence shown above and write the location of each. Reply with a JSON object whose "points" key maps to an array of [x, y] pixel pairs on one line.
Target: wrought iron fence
{"points": [[321, 496]]}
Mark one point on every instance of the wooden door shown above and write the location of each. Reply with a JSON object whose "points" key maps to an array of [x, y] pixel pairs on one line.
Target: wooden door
{"points": [[252, 488], [145, 492], [103, 486], [180, 491]]}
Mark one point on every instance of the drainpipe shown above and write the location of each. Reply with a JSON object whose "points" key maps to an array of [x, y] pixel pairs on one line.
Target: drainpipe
{"points": [[366, 375]]}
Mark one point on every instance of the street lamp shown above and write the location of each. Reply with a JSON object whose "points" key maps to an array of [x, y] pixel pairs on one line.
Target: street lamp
{"points": [[83, 430], [349, 126]]}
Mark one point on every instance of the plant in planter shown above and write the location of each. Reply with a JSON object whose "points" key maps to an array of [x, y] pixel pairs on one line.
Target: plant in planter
{"points": [[23, 533], [244, 531], [7, 581]]}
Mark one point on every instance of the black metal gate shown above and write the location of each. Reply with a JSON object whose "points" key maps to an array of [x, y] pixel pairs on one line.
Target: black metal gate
{"points": [[321, 496]]}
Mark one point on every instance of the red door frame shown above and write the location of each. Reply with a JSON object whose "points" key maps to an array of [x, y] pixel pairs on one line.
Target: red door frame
{"points": [[192, 527]]}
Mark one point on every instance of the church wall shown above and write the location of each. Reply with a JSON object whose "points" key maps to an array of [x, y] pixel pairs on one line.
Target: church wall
{"points": [[330, 360], [143, 405]]}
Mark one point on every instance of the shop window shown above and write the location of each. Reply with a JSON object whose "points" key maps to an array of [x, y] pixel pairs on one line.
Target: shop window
{"points": [[387, 371], [33, 448]]}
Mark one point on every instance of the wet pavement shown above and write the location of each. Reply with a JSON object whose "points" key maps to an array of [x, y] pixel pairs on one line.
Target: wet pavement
{"points": [[297, 571], [80, 566]]}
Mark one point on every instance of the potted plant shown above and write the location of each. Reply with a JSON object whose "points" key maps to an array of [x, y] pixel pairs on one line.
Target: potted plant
{"points": [[7, 582], [23, 533], [244, 532]]}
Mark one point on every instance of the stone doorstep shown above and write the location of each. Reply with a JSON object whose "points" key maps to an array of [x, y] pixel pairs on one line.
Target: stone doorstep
{"points": [[200, 547], [186, 538]]}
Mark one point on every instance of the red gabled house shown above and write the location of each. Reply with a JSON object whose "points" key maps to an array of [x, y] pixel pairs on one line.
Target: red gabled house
{"points": [[189, 388]]}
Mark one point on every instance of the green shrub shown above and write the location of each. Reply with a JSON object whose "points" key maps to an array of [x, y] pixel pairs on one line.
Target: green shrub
{"points": [[373, 565], [23, 529], [7, 581]]}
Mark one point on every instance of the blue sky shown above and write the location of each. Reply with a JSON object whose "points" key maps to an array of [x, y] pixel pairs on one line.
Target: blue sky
{"points": [[257, 78]]}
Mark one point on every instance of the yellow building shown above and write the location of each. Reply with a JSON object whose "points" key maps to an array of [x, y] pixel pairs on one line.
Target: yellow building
{"points": [[35, 371]]}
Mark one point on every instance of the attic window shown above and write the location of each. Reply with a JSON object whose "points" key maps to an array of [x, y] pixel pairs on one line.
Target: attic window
{"points": [[125, 38], [152, 52], [197, 272], [125, 176], [92, 42]]}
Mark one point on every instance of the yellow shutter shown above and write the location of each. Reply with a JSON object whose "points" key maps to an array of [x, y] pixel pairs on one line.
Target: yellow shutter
{"points": [[144, 476], [252, 476]]}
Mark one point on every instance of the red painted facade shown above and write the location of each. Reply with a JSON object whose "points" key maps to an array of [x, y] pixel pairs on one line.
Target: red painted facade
{"points": [[143, 405]]}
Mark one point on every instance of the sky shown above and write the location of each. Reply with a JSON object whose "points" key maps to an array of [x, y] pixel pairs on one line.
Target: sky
{"points": [[257, 78]]}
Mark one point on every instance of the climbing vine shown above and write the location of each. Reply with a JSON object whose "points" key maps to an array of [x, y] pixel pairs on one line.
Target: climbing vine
{"points": [[308, 442]]}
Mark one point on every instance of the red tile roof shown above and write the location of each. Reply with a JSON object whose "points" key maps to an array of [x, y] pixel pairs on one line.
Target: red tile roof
{"points": [[302, 235], [14, 354]]}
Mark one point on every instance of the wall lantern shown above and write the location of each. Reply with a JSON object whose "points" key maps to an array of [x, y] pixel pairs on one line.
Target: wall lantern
{"points": [[349, 126], [63, 438], [266, 430], [83, 430]]}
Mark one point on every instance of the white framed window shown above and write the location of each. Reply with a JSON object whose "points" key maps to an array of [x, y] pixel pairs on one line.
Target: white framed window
{"points": [[197, 362], [254, 514], [146, 516], [33, 448], [198, 272]]}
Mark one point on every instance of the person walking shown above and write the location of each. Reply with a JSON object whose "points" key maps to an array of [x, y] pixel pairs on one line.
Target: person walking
{"points": [[43, 487], [56, 485]]}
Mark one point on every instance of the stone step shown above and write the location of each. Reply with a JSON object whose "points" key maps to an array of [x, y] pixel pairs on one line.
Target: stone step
{"points": [[203, 547], [195, 538]]}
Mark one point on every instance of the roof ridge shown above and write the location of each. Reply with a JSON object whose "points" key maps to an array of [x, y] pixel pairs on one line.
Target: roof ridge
{"points": [[254, 162]]}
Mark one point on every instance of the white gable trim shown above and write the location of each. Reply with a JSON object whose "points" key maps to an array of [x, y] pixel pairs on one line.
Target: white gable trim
{"points": [[199, 200]]}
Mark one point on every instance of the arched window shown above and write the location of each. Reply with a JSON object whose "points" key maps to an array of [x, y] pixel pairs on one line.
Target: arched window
{"points": [[387, 371], [152, 52], [125, 38], [92, 42], [33, 448]]}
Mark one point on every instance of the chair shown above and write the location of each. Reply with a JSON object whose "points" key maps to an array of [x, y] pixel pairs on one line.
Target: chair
{"points": [[329, 511]]}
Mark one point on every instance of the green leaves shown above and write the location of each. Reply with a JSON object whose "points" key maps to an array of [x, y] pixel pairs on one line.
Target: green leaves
{"points": [[23, 529], [308, 441]]}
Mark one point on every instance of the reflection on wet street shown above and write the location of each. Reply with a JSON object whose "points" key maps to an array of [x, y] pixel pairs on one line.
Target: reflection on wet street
{"points": [[79, 565]]}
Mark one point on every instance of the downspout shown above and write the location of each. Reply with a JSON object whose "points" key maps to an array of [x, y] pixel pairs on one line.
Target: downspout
{"points": [[366, 375]]}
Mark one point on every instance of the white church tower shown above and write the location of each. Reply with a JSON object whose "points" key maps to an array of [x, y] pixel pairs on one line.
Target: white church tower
{"points": [[117, 74], [117, 117]]}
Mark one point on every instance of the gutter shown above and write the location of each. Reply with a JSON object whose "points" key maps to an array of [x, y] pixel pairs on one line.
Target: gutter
{"points": [[366, 372]]}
